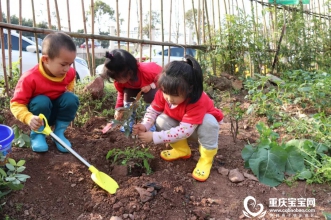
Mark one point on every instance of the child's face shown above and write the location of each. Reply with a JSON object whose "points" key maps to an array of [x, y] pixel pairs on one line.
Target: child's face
{"points": [[59, 66], [174, 100], [124, 77]]}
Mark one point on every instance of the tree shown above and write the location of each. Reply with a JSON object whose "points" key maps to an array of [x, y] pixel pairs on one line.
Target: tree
{"points": [[103, 13], [189, 18], [28, 23], [155, 20], [104, 43], [79, 41]]}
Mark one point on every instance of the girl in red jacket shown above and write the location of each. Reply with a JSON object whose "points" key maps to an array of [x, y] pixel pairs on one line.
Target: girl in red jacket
{"points": [[130, 77], [182, 112]]}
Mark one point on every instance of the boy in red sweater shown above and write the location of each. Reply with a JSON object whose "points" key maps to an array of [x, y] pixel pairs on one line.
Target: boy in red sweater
{"points": [[130, 77], [47, 89]]}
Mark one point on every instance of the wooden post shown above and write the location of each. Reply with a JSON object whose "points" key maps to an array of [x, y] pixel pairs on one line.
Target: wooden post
{"points": [[162, 32], [213, 8], [203, 23], [9, 42], [86, 39], [118, 25], [197, 30], [4, 56], [92, 45], [57, 15], [128, 35], [150, 28], [20, 35], [35, 25], [141, 28], [219, 19], [184, 26], [169, 50], [69, 28], [49, 16], [210, 40]]}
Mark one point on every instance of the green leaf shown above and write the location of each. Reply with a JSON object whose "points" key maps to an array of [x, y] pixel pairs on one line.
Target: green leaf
{"points": [[10, 178], [304, 146], [304, 89], [269, 165], [247, 152], [20, 169], [20, 163], [250, 109], [12, 161], [305, 175], [2, 173], [10, 167], [15, 186], [295, 160], [2, 194], [327, 215]]}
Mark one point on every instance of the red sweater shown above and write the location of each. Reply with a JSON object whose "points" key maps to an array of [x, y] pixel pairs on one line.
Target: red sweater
{"points": [[147, 73], [188, 113], [36, 82]]}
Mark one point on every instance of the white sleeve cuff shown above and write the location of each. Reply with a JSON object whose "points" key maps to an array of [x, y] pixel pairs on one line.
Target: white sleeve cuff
{"points": [[153, 86]]}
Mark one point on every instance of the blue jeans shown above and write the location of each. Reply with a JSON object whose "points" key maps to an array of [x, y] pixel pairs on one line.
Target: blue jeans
{"points": [[63, 108]]}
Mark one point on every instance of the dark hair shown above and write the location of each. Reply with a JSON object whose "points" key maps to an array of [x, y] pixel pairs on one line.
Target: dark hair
{"points": [[120, 64], [182, 78], [54, 42]]}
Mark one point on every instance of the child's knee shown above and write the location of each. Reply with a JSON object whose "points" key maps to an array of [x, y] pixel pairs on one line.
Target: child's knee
{"points": [[164, 122]]}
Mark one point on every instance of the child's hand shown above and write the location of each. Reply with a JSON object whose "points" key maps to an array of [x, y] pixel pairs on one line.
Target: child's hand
{"points": [[146, 137], [146, 89], [118, 115], [35, 123], [138, 128]]}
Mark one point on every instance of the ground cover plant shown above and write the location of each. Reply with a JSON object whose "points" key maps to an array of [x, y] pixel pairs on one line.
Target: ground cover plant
{"points": [[305, 151]]}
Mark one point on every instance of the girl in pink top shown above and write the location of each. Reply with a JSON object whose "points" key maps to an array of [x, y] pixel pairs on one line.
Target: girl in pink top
{"points": [[182, 111], [130, 77]]}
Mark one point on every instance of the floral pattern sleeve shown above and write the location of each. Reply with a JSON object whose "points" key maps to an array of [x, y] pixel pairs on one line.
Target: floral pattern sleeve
{"points": [[182, 131]]}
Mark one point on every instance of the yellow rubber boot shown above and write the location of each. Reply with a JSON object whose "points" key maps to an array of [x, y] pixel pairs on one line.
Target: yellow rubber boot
{"points": [[202, 170], [180, 150]]}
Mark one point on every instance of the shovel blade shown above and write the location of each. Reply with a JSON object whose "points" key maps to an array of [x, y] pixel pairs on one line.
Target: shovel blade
{"points": [[103, 180]]}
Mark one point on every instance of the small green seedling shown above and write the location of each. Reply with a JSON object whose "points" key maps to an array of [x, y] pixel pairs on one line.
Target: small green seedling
{"points": [[13, 178], [130, 156], [21, 139]]}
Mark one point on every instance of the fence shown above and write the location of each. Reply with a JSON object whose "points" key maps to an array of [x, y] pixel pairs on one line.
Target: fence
{"points": [[237, 35]]}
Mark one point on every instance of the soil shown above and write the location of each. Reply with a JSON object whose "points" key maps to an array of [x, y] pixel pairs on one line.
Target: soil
{"points": [[61, 187]]}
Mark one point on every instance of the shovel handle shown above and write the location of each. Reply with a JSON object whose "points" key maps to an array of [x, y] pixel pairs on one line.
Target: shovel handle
{"points": [[69, 149], [47, 130]]}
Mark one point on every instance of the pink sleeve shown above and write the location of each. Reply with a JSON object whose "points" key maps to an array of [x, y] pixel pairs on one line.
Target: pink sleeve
{"points": [[150, 117], [182, 131]]}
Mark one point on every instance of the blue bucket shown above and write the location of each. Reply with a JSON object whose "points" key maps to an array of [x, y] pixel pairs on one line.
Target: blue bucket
{"points": [[6, 139]]}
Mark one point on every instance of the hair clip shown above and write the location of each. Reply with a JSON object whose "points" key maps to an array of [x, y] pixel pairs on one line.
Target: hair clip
{"points": [[109, 55]]}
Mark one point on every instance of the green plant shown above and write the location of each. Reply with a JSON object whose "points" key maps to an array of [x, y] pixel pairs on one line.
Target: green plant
{"points": [[90, 107], [235, 113], [13, 178], [21, 139], [131, 156], [270, 161], [137, 106]]}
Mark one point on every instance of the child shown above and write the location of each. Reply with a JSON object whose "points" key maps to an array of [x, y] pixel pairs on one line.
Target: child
{"points": [[129, 78], [47, 88], [183, 111]]}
